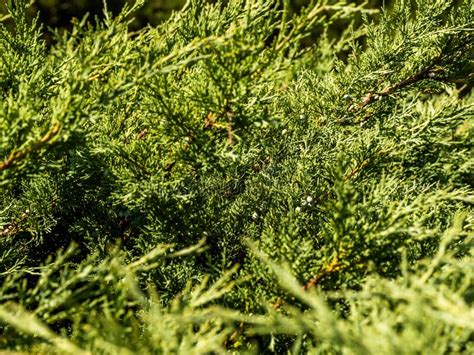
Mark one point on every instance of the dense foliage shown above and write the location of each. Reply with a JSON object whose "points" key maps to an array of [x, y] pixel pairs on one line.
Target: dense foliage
{"points": [[214, 185]]}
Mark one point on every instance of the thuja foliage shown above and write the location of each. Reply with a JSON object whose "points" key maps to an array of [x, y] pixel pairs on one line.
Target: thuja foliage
{"points": [[215, 185]]}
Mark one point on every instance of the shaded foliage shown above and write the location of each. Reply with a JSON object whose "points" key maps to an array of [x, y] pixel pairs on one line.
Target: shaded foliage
{"points": [[219, 183]]}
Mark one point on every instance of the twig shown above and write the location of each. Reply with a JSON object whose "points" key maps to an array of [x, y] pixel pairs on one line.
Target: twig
{"points": [[14, 227], [356, 170], [370, 97], [210, 121], [428, 72], [333, 267], [14, 157]]}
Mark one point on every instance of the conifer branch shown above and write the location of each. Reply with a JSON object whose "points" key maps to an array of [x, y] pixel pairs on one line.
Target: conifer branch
{"points": [[15, 157], [430, 71], [333, 267], [371, 97], [157, 167]]}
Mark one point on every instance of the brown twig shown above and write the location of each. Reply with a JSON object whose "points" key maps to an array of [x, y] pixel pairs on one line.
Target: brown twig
{"points": [[210, 121], [14, 157], [11, 229], [142, 134], [370, 97], [333, 267], [14, 227], [356, 170], [428, 72]]}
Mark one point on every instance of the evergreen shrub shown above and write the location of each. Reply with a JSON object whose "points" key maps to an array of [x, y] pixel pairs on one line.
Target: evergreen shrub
{"points": [[215, 185]]}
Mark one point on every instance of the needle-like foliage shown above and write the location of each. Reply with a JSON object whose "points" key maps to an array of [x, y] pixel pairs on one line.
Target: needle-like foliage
{"points": [[217, 184]]}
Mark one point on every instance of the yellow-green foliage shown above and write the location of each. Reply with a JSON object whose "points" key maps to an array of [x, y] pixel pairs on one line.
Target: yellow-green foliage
{"points": [[213, 184]]}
